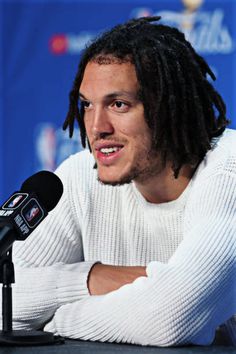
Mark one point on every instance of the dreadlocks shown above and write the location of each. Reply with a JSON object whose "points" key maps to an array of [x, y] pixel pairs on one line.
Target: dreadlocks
{"points": [[182, 109]]}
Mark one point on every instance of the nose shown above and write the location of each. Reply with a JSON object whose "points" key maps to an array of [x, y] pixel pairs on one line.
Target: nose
{"points": [[101, 123]]}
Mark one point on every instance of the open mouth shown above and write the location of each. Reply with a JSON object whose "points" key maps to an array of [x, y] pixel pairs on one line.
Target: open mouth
{"points": [[107, 151]]}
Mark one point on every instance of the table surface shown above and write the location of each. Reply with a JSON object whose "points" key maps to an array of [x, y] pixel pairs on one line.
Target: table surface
{"points": [[84, 347]]}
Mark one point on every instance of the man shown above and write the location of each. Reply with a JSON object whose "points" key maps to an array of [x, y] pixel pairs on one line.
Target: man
{"points": [[142, 246]]}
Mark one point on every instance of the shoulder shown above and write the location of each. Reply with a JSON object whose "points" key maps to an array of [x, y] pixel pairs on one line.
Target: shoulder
{"points": [[213, 187], [81, 160], [221, 158], [79, 177], [77, 173], [226, 144], [79, 165]]}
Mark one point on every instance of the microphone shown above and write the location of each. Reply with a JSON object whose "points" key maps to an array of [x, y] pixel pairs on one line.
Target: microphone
{"points": [[25, 210], [19, 216]]}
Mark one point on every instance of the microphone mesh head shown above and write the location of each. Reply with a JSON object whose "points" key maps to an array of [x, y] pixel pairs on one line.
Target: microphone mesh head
{"points": [[47, 186]]}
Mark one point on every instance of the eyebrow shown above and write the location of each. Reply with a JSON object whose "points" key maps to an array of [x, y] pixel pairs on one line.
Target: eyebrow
{"points": [[82, 96], [116, 94]]}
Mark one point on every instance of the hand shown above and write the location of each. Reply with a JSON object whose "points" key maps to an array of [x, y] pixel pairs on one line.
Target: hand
{"points": [[106, 278]]}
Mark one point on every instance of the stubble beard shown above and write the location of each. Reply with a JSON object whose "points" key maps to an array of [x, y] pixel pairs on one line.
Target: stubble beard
{"points": [[145, 168]]}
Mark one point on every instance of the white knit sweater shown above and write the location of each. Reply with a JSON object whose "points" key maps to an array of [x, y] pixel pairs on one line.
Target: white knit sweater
{"points": [[188, 246]]}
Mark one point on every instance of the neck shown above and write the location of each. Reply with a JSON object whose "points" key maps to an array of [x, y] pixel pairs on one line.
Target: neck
{"points": [[164, 187]]}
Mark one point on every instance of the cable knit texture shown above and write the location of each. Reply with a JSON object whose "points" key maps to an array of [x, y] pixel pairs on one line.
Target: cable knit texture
{"points": [[188, 246]]}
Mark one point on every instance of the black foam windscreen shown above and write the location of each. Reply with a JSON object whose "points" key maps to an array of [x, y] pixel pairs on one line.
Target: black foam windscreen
{"points": [[47, 186]]}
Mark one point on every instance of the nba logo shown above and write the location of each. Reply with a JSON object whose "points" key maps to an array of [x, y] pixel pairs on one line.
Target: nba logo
{"points": [[32, 212]]}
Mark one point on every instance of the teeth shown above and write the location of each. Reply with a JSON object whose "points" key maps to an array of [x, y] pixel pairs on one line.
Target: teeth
{"points": [[109, 150]]}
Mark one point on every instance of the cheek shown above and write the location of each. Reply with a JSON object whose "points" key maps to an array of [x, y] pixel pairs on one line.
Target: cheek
{"points": [[88, 126], [135, 125], [141, 134], [133, 129]]}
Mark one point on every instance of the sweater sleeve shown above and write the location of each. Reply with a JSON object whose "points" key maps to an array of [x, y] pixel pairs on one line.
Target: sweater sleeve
{"points": [[181, 302], [49, 265]]}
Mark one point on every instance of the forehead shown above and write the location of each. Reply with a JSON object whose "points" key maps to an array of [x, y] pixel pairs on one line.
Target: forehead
{"points": [[103, 79]]}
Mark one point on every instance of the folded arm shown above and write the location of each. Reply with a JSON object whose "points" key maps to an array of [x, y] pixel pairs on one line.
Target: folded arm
{"points": [[180, 302]]}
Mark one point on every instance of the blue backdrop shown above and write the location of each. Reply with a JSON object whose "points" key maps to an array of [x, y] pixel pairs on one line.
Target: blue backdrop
{"points": [[40, 45]]}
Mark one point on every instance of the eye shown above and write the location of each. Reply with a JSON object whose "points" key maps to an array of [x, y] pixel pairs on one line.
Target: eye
{"points": [[120, 106], [85, 104]]}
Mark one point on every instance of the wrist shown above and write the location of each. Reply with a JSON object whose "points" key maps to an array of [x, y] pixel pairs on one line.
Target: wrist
{"points": [[106, 278]]}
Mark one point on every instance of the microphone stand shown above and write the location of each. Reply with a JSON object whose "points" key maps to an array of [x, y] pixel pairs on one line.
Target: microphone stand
{"points": [[8, 336]]}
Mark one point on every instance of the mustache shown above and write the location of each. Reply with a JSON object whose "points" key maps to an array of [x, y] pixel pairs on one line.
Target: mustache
{"points": [[109, 138]]}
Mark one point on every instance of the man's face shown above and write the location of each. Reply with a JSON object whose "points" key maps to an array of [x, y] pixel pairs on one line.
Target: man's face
{"points": [[114, 120]]}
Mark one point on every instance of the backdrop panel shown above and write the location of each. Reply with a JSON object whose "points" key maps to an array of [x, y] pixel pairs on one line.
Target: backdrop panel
{"points": [[40, 45]]}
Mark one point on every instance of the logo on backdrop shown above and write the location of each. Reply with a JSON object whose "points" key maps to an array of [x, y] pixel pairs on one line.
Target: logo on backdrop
{"points": [[52, 146], [61, 44], [206, 30], [141, 12]]}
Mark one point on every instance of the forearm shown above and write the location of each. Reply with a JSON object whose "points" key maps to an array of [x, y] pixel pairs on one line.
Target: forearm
{"points": [[106, 278], [39, 292], [162, 309]]}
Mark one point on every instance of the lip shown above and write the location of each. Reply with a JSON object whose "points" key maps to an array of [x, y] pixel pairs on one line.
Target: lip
{"points": [[108, 144], [110, 158]]}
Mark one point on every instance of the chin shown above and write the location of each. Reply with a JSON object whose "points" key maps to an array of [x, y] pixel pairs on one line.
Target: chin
{"points": [[114, 181], [115, 178]]}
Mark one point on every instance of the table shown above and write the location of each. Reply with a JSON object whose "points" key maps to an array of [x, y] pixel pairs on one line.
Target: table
{"points": [[85, 347]]}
